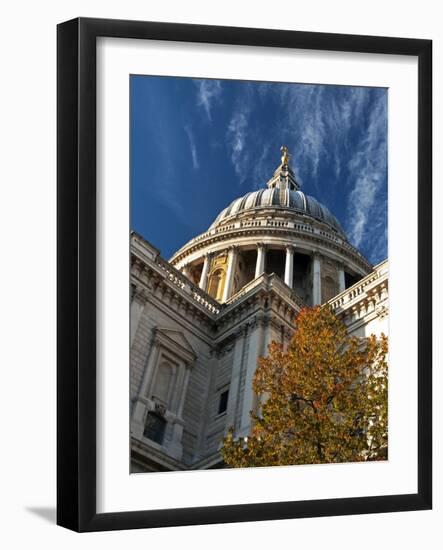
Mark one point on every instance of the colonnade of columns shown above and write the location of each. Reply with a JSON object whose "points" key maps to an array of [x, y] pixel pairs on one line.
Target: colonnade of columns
{"points": [[289, 263], [260, 268]]}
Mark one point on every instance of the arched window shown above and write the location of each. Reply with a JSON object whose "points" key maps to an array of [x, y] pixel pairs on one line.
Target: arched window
{"points": [[215, 287], [162, 384]]}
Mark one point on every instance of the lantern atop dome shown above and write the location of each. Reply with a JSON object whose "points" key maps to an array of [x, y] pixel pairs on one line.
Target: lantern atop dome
{"points": [[284, 177]]}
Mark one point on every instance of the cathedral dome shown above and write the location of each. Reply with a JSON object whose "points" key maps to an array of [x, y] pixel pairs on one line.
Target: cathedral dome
{"points": [[278, 230], [287, 198]]}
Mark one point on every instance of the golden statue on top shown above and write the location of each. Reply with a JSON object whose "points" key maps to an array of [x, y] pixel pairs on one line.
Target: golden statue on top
{"points": [[285, 155]]}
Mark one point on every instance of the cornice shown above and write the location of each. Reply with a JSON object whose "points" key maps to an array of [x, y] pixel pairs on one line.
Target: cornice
{"points": [[153, 276], [158, 276], [144, 452]]}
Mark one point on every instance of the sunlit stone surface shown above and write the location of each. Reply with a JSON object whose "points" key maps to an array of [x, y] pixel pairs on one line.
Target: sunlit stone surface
{"points": [[200, 320]]}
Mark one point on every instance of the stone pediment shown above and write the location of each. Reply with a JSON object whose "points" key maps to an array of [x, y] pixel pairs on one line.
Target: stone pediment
{"points": [[269, 284], [177, 340]]}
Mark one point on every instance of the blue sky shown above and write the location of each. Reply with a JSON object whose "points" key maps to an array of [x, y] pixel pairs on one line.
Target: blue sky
{"points": [[198, 144]]}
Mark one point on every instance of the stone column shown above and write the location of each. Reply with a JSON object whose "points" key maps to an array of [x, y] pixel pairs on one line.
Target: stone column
{"points": [[341, 279], [232, 260], [204, 276], [316, 280], [289, 266], [260, 265]]}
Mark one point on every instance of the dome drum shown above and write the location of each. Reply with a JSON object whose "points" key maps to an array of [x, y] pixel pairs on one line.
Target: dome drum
{"points": [[294, 265]]}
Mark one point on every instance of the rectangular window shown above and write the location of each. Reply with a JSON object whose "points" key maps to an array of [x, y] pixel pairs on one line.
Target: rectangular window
{"points": [[155, 427], [223, 402]]}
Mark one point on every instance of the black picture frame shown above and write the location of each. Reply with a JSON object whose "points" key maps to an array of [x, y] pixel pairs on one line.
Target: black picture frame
{"points": [[76, 265]]}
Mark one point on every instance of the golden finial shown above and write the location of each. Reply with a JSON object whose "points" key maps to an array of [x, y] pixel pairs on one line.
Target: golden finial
{"points": [[285, 155]]}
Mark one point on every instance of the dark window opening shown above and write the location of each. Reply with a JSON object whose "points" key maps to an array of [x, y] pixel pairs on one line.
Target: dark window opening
{"points": [[351, 279], [275, 262], [196, 272], [247, 267], [301, 282], [155, 427], [223, 403]]}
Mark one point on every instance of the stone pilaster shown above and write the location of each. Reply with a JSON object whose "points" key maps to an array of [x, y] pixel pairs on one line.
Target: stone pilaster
{"points": [[234, 387], [137, 305], [175, 446], [256, 341], [181, 404]]}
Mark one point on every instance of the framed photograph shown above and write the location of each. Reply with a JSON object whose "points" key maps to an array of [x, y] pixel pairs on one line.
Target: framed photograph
{"points": [[244, 274]]}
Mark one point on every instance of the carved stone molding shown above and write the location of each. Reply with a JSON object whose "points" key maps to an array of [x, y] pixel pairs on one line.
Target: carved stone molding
{"points": [[139, 294], [282, 230], [382, 311], [223, 348], [175, 342], [159, 408]]}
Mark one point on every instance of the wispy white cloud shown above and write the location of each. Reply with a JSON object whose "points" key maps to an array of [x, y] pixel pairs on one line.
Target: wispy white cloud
{"points": [[261, 171], [317, 124], [361, 201], [314, 129], [322, 129], [193, 148], [208, 91], [236, 140], [367, 174], [304, 125]]}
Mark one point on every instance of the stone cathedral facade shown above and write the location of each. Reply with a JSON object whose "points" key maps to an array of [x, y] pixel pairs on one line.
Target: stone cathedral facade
{"points": [[200, 321]]}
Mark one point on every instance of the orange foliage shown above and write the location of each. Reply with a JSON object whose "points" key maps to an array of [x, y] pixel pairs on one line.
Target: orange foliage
{"points": [[324, 398]]}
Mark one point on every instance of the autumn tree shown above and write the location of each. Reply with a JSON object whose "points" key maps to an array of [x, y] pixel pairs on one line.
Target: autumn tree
{"points": [[323, 400]]}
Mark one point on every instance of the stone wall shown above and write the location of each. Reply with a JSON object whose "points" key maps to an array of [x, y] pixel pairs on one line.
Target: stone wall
{"points": [[214, 348]]}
